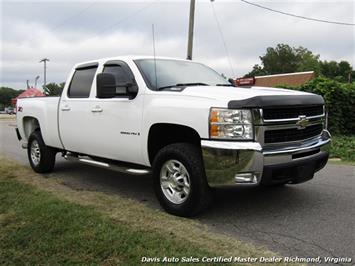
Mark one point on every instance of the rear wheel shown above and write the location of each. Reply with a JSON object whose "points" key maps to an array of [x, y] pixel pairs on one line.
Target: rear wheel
{"points": [[179, 180], [40, 156]]}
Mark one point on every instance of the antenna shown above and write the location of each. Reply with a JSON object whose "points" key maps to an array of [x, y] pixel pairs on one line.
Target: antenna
{"points": [[155, 61]]}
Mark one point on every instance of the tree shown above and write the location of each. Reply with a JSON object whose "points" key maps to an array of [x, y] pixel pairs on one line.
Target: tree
{"points": [[286, 59], [6, 94], [257, 71], [54, 89], [282, 59], [338, 71], [329, 69], [345, 71], [307, 61]]}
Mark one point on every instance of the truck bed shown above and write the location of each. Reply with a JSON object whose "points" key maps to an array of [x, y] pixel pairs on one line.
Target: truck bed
{"points": [[45, 111]]}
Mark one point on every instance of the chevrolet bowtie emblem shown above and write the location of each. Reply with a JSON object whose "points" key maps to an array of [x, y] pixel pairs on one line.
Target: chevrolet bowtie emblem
{"points": [[302, 122]]}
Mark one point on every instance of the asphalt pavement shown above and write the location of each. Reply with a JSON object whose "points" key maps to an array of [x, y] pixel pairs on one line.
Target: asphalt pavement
{"points": [[306, 220]]}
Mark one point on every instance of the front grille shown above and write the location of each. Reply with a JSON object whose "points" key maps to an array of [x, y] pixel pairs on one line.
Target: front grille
{"points": [[292, 112], [292, 134]]}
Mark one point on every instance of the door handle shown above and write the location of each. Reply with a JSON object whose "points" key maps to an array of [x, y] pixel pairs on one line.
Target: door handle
{"points": [[65, 108], [97, 109]]}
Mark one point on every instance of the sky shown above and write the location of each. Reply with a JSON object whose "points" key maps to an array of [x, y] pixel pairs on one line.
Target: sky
{"points": [[69, 32]]}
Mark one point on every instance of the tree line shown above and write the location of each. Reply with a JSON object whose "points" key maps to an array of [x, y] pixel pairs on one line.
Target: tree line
{"points": [[286, 59], [6, 93]]}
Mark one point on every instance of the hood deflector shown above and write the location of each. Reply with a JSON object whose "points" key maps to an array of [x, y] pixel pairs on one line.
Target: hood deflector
{"points": [[276, 101]]}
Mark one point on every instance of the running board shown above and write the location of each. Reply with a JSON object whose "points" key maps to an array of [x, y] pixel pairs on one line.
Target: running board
{"points": [[115, 167]]}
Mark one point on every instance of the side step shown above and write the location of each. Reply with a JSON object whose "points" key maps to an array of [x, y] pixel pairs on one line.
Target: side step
{"points": [[112, 166]]}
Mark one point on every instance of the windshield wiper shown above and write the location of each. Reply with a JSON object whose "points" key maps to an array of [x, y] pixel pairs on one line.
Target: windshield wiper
{"points": [[226, 84], [183, 85]]}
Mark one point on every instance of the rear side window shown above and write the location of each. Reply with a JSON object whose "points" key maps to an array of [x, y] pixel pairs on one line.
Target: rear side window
{"points": [[81, 82]]}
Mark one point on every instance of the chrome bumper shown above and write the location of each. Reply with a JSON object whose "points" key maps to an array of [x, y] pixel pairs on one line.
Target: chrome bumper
{"points": [[231, 163]]}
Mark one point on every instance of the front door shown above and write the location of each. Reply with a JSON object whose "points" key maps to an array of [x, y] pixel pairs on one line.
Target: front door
{"points": [[117, 121]]}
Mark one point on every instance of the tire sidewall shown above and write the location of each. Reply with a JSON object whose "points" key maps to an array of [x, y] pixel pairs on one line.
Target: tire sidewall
{"points": [[47, 155], [196, 177]]}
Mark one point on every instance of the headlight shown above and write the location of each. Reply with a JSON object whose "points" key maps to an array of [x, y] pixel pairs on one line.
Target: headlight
{"points": [[231, 124]]}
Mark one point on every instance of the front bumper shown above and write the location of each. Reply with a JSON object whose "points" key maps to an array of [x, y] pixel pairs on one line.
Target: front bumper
{"points": [[231, 163]]}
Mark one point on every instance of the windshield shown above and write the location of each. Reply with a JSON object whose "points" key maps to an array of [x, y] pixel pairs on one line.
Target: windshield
{"points": [[171, 73]]}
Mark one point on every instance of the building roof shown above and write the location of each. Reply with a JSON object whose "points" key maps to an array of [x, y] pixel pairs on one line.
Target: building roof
{"points": [[292, 79], [30, 92]]}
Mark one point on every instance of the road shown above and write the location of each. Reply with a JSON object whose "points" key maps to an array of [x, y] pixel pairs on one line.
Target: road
{"points": [[307, 220]]}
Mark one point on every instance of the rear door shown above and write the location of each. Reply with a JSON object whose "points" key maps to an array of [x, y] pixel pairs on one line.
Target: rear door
{"points": [[76, 131]]}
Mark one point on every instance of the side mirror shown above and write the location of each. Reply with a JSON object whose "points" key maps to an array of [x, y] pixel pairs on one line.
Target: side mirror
{"points": [[105, 85], [132, 90]]}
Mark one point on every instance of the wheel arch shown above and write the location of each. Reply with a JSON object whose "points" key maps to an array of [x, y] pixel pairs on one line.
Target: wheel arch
{"points": [[30, 124], [163, 134]]}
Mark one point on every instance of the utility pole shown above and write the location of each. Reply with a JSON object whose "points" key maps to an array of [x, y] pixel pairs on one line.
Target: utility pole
{"points": [[44, 60], [191, 30]]}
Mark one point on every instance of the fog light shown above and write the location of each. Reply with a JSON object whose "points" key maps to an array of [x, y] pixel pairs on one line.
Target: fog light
{"points": [[246, 178]]}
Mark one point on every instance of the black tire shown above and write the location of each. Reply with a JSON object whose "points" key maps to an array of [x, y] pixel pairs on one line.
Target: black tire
{"points": [[199, 195], [46, 160]]}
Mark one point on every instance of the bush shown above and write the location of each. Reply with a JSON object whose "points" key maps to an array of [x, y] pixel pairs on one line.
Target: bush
{"points": [[340, 103], [343, 147]]}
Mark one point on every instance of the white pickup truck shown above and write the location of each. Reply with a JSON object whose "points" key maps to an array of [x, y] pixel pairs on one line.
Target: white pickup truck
{"points": [[181, 120]]}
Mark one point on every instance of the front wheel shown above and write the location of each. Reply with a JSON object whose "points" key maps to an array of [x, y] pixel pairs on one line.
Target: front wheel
{"points": [[180, 181], [40, 156]]}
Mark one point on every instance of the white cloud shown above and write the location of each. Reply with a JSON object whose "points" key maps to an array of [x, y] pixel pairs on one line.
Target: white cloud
{"points": [[64, 33]]}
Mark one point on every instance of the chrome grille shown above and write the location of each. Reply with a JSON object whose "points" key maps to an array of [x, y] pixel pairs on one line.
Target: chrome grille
{"points": [[292, 134], [288, 125]]}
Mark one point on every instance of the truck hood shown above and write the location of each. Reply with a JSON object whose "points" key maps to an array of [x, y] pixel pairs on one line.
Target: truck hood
{"points": [[226, 94]]}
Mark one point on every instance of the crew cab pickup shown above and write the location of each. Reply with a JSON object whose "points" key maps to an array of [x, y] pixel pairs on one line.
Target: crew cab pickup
{"points": [[180, 120]]}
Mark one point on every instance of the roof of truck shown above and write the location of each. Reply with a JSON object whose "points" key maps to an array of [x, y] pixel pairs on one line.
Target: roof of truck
{"points": [[128, 58]]}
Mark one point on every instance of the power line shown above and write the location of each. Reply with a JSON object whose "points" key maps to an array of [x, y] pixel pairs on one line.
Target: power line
{"points": [[222, 37], [65, 20], [125, 18], [73, 16], [298, 16], [136, 12], [107, 27]]}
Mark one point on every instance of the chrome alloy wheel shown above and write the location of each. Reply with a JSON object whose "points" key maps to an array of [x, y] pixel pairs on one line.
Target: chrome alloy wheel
{"points": [[35, 152], [175, 181]]}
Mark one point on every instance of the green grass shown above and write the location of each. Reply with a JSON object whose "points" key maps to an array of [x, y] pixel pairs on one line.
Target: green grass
{"points": [[43, 222], [37, 228], [343, 147]]}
